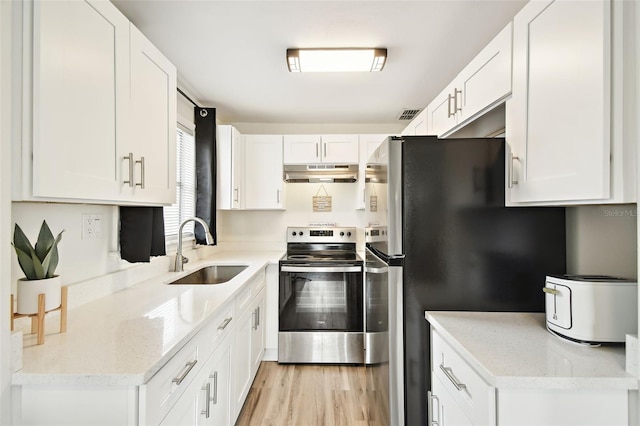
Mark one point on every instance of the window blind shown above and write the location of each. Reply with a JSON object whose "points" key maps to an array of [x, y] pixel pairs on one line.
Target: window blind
{"points": [[185, 206]]}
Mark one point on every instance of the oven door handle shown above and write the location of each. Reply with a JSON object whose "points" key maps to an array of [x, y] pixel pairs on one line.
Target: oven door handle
{"points": [[285, 268]]}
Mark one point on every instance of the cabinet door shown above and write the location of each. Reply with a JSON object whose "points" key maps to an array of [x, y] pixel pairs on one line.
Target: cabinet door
{"points": [[301, 149], [187, 410], [242, 361], [230, 157], [368, 144], [441, 112], [263, 172], [419, 124], [257, 335], [153, 123], [340, 149], [219, 391], [558, 117], [443, 408], [80, 98], [487, 79]]}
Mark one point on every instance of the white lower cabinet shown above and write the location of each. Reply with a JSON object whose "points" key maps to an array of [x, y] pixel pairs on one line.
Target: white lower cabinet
{"points": [[460, 396], [248, 349], [204, 384], [443, 408]]}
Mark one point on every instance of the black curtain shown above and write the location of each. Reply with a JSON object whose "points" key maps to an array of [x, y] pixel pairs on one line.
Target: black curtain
{"points": [[205, 120], [141, 233]]}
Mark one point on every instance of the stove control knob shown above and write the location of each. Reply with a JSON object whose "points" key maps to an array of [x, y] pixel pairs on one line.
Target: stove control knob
{"points": [[294, 233], [348, 234], [342, 234], [301, 233]]}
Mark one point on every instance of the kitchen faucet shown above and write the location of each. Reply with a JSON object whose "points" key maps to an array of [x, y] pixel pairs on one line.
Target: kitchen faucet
{"points": [[180, 259]]}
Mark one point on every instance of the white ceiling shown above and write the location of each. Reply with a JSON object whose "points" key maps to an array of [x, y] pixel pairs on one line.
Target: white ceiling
{"points": [[231, 54]]}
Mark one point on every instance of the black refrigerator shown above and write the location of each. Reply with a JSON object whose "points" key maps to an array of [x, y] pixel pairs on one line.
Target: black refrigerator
{"points": [[437, 219]]}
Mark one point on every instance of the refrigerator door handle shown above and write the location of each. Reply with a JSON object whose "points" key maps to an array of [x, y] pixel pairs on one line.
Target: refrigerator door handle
{"points": [[389, 259]]}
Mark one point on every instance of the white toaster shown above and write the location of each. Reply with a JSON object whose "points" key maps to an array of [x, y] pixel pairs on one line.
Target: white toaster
{"points": [[591, 308]]}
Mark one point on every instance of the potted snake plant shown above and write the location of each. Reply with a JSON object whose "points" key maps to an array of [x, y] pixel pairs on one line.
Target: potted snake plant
{"points": [[38, 263]]}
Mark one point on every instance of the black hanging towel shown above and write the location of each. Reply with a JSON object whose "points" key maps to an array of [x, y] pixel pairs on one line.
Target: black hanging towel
{"points": [[205, 120], [141, 233]]}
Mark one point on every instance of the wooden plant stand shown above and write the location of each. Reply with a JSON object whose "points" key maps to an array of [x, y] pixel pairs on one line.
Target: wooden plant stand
{"points": [[37, 319]]}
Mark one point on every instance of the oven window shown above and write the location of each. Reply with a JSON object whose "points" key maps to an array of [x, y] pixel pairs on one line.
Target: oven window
{"points": [[320, 301]]}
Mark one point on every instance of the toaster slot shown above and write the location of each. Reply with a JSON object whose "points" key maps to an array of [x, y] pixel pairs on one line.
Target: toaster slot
{"points": [[558, 304]]}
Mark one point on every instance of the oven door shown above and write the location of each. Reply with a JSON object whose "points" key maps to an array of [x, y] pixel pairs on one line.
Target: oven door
{"points": [[320, 298], [321, 314]]}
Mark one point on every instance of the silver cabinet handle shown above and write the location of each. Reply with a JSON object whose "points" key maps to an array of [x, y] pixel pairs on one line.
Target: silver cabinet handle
{"points": [[325, 149], [512, 180], [550, 290], [207, 398], [225, 323], [131, 164], [449, 113], [277, 196], [141, 162], [431, 397], [364, 196], [317, 153], [449, 373], [457, 108], [215, 388], [235, 195], [188, 367], [256, 318]]}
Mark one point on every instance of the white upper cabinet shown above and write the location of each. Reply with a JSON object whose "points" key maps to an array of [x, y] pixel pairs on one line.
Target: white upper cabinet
{"points": [[311, 149], [417, 126], [368, 144], [263, 180], [230, 167], [481, 86], [91, 90], [338, 149], [153, 122], [302, 149], [80, 99], [568, 114]]}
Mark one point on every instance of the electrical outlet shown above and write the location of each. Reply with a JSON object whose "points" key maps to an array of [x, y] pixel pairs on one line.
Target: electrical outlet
{"points": [[91, 226]]}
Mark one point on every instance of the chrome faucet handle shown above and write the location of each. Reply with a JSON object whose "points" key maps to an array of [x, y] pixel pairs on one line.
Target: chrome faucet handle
{"points": [[185, 259]]}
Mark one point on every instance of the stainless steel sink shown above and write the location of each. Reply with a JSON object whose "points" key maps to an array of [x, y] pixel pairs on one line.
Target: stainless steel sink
{"points": [[215, 274]]}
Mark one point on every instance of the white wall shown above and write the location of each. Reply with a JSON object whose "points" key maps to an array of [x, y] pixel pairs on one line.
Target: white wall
{"points": [[270, 226], [601, 240]]}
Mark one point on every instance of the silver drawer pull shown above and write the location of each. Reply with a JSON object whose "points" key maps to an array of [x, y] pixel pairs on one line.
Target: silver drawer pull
{"points": [[449, 373], [550, 290], [188, 367], [141, 162], [131, 163], [225, 323], [207, 408]]}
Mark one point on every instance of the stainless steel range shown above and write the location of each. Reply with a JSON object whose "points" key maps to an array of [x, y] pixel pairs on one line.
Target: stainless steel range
{"points": [[321, 316]]}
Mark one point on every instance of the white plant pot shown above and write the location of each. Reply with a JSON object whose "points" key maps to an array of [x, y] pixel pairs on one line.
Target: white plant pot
{"points": [[28, 292]]}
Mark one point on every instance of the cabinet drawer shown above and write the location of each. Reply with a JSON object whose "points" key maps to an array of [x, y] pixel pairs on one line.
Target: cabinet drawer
{"points": [[243, 300], [217, 328], [165, 388], [470, 392]]}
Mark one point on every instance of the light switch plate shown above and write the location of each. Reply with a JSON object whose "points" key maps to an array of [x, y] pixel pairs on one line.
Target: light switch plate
{"points": [[91, 226]]}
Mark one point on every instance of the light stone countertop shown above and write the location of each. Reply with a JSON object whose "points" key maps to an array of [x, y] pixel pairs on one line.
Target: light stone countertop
{"points": [[515, 350], [124, 338]]}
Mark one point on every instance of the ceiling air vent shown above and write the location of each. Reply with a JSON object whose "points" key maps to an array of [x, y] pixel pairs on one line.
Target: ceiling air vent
{"points": [[408, 114]]}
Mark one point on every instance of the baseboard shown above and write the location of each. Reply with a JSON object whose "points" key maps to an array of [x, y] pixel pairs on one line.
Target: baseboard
{"points": [[270, 354]]}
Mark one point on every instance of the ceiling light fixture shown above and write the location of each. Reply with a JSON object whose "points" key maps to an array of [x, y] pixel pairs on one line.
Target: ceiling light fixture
{"points": [[336, 59]]}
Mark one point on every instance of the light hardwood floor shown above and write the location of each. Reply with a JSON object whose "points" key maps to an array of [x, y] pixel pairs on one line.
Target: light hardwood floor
{"points": [[308, 395]]}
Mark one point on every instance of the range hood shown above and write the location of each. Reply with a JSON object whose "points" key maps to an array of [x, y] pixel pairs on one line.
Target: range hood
{"points": [[321, 173]]}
